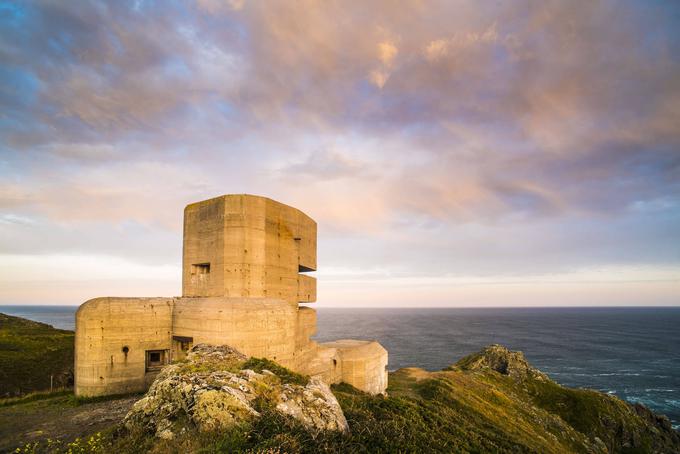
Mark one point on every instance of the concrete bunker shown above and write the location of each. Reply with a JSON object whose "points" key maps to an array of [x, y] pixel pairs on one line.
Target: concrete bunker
{"points": [[244, 273]]}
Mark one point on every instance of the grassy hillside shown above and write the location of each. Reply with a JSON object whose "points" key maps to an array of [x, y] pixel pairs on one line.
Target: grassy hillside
{"points": [[31, 352], [489, 402]]}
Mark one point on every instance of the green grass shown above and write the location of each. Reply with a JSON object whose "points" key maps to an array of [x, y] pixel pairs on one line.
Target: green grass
{"points": [[207, 366], [63, 398], [30, 354], [80, 400], [442, 413], [286, 375], [34, 396], [594, 414], [435, 422]]}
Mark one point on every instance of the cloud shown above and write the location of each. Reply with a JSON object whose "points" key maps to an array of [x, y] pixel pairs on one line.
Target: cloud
{"points": [[220, 6], [441, 48], [378, 77], [454, 128], [326, 164], [387, 52], [436, 49], [83, 152]]}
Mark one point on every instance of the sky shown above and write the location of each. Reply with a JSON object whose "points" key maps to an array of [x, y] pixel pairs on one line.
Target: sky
{"points": [[453, 153]]}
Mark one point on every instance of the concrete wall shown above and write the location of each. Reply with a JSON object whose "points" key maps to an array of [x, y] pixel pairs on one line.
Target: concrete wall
{"points": [[104, 327], [256, 248], [204, 243], [363, 364], [258, 327], [255, 326]]}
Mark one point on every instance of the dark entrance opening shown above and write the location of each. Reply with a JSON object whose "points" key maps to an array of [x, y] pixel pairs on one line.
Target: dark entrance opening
{"points": [[156, 359]]}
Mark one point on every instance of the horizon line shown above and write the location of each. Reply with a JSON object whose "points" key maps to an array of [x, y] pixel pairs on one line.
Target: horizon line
{"points": [[513, 306]]}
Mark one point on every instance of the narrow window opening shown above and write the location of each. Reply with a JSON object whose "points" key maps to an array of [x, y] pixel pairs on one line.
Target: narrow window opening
{"points": [[200, 268]]}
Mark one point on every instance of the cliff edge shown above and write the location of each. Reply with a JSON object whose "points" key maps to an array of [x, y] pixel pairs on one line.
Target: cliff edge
{"points": [[606, 421]]}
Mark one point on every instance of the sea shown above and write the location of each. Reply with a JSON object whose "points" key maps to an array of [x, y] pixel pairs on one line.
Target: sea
{"points": [[631, 352]]}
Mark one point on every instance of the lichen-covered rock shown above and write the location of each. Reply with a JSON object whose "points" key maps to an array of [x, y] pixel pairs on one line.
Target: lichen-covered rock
{"points": [[314, 405], [214, 390]]}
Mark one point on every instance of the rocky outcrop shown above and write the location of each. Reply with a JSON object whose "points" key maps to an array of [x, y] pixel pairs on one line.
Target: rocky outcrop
{"points": [[214, 389], [498, 358]]}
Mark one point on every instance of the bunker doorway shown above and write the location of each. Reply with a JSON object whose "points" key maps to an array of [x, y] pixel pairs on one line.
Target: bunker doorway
{"points": [[156, 359], [181, 346]]}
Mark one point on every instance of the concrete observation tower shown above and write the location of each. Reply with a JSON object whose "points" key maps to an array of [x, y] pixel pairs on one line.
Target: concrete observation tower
{"points": [[244, 266]]}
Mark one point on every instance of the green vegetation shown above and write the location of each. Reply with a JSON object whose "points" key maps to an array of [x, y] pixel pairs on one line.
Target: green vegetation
{"points": [[32, 397], [234, 364], [230, 364], [449, 411], [94, 444], [612, 420], [286, 375], [31, 355], [62, 398]]}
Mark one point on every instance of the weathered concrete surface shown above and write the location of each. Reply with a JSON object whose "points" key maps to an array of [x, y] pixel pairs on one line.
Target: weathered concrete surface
{"points": [[114, 334], [362, 364], [112, 337], [245, 246], [243, 256]]}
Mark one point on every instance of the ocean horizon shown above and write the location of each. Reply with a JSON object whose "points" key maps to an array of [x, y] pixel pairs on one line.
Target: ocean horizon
{"points": [[630, 352]]}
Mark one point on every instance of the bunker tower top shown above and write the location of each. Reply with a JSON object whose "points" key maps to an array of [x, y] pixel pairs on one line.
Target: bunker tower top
{"points": [[245, 246]]}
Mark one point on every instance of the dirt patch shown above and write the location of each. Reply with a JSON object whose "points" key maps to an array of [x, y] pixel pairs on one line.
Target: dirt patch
{"points": [[61, 418]]}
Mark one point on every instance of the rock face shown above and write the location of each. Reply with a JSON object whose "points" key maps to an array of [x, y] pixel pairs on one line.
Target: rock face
{"points": [[213, 389], [499, 358]]}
